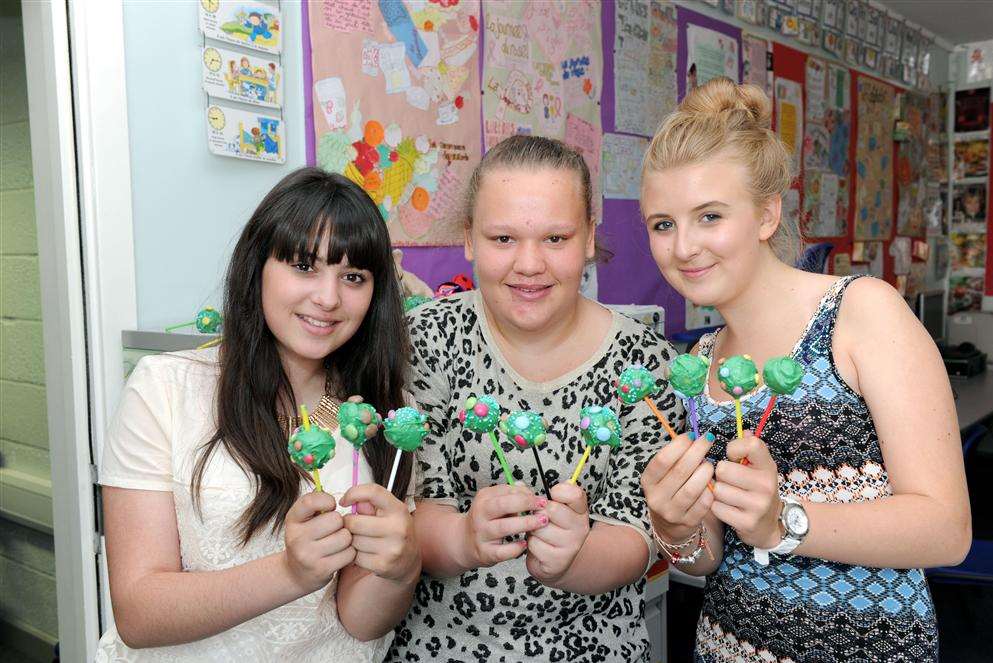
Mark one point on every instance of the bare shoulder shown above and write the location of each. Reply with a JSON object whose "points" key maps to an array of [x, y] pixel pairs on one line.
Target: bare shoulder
{"points": [[870, 304]]}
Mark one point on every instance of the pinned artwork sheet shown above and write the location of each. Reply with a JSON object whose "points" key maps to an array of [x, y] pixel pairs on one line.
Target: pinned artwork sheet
{"points": [[622, 156], [237, 76], [242, 134], [257, 25]]}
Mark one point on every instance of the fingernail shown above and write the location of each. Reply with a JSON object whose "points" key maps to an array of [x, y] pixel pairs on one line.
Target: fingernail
{"points": [[543, 519], [542, 502], [710, 436], [692, 436]]}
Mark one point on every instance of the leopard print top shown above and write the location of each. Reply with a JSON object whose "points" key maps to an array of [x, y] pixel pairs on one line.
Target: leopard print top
{"points": [[500, 613]]}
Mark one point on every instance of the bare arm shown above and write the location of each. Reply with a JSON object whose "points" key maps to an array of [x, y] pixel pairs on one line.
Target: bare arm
{"points": [[897, 369], [155, 602]]}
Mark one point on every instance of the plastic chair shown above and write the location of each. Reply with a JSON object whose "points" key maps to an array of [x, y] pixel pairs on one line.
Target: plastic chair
{"points": [[814, 258]]}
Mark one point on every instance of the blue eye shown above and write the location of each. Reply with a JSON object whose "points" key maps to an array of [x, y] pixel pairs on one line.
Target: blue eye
{"points": [[663, 225], [710, 217]]}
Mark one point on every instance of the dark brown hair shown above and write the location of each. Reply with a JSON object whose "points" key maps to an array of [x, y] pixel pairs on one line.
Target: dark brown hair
{"points": [[304, 208]]}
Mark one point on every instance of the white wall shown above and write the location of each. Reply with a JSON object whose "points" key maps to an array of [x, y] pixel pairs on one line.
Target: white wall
{"points": [[187, 215]]}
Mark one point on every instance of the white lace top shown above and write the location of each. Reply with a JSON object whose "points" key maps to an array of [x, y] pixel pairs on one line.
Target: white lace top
{"points": [[164, 415]]}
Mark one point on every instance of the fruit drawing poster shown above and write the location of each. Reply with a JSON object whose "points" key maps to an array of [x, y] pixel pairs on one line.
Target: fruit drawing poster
{"points": [[396, 106]]}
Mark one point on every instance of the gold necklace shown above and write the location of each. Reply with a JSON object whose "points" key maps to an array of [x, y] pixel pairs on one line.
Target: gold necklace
{"points": [[324, 415]]}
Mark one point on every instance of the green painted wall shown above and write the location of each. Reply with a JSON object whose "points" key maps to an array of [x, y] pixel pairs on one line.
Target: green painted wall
{"points": [[27, 558]]}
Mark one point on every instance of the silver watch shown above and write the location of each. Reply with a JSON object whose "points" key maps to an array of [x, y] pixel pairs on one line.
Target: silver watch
{"points": [[793, 518]]}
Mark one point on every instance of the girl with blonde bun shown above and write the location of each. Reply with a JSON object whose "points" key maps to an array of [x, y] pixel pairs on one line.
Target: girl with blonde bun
{"points": [[857, 481]]}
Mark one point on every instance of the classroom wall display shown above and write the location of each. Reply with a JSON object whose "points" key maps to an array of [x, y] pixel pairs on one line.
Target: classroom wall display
{"points": [[968, 252], [396, 107], [789, 116], [543, 74], [965, 293], [969, 204], [644, 64], [237, 76], [874, 160], [256, 25], [972, 158], [749, 11], [911, 167], [756, 54], [710, 54], [253, 135], [621, 162]]}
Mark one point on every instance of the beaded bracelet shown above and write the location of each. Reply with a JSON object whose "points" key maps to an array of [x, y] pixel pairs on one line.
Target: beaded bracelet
{"points": [[675, 551]]}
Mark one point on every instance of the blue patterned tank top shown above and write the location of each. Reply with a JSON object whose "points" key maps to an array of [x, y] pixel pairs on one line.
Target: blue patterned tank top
{"points": [[799, 609]]}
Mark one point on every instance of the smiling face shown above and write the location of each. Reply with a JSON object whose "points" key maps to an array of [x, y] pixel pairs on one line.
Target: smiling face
{"points": [[529, 242], [706, 233], [313, 309]]}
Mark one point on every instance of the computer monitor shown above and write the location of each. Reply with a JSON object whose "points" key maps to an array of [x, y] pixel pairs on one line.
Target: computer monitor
{"points": [[931, 312]]}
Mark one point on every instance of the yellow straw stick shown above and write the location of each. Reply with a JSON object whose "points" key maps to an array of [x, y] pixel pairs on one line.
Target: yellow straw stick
{"points": [[579, 468], [658, 415], [211, 343], [317, 481], [305, 416], [737, 416]]}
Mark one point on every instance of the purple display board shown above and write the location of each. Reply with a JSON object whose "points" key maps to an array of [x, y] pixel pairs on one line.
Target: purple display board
{"points": [[632, 276]]}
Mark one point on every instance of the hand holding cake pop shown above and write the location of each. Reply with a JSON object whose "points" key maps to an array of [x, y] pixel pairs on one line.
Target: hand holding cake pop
{"points": [[359, 423], [597, 425], [404, 429], [482, 415], [311, 447], [783, 375], [688, 377], [636, 383], [527, 429]]}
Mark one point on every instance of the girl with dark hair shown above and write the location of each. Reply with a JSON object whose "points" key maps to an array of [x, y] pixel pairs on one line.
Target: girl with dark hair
{"points": [[217, 547]]}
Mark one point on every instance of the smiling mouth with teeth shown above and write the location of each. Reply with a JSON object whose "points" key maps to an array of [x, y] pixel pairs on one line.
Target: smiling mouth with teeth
{"points": [[316, 322]]}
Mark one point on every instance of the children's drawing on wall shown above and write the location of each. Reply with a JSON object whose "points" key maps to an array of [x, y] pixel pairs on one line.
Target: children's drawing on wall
{"points": [[709, 54], [250, 79], [873, 160], [256, 25], [644, 64], [232, 132], [396, 106]]}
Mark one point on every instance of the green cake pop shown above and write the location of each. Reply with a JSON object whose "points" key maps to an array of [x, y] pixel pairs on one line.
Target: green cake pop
{"points": [[482, 415], [636, 383], [738, 375], [359, 421], [688, 377], [311, 447], [782, 374], [207, 321], [414, 301], [597, 425], [405, 428], [527, 429]]}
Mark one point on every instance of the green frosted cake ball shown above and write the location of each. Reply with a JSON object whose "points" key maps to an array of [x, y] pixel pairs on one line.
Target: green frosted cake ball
{"points": [[359, 421], [311, 449], [738, 375], [405, 428], [599, 425], [480, 415], [635, 383], [208, 320], [688, 375], [782, 374], [525, 428]]}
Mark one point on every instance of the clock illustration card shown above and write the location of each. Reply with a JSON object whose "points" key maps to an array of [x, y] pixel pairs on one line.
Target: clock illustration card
{"points": [[249, 78], [245, 134], [257, 25]]}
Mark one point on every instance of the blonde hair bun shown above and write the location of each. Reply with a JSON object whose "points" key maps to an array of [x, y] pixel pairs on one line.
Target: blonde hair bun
{"points": [[739, 106]]}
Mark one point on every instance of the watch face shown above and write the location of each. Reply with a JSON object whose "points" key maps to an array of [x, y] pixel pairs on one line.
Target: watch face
{"points": [[796, 520], [215, 116], [212, 58]]}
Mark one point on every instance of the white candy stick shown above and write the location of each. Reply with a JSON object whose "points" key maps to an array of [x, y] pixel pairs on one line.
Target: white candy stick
{"points": [[393, 474]]}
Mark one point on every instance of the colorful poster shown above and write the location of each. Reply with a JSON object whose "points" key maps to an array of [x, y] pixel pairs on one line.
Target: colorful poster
{"points": [[396, 107], [709, 54], [874, 160], [965, 293], [789, 116], [543, 74], [838, 119], [232, 132], [911, 166], [968, 252], [255, 25], [622, 156], [822, 215], [248, 78], [972, 158], [815, 82], [644, 64], [757, 62], [969, 204]]}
